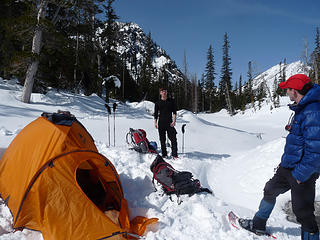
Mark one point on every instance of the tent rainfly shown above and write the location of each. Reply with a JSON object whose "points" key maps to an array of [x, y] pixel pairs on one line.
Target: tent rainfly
{"points": [[54, 180]]}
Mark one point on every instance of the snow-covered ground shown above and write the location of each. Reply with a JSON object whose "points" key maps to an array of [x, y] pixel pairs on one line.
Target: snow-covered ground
{"points": [[233, 156]]}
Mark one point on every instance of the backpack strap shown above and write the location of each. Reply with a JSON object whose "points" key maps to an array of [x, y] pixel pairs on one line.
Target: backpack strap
{"points": [[205, 190]]}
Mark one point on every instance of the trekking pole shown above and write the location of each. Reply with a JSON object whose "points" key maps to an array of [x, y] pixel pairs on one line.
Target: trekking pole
{"points": [[114, 124], [109, 112], [183, 130]]}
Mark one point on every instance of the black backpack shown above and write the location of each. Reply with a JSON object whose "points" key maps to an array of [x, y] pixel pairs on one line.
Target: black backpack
{"points": [[173, 181]]}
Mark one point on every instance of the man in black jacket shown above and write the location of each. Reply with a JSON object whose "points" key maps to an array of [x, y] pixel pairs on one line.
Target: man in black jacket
{"points": [[166, 111]]}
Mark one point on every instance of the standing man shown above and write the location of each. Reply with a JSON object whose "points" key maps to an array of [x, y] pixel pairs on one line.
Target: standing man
{"points": [[300, 162], [165, 109]]}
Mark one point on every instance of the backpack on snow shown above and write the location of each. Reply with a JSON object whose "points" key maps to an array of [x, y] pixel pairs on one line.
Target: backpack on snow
{"points": [[173, 181], [137, 138]]}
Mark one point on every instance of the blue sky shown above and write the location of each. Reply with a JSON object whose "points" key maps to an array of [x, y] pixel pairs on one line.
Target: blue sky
{"points": [[262, 31]]}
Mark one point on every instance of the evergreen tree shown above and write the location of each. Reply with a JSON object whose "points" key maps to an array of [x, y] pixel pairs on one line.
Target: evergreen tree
{"points": [[250, 74], [315, 59], [317, 40], [236, 89], [43, 19], [261, 94], [15, 37], [282, 78], [147, 69], [202, 96], [178, 87], [235, 99], [56, 58], [241, 95], [164, 76], [74, 55], [199, 96], [111, 58], [185, 81], [250, 93], [45, 36], [195, 99], [95, 73], [275, 95], [209, 78], [225, 86], [240, 86]]}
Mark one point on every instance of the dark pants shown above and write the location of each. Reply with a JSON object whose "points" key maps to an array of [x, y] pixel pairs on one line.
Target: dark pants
{"points": [[302, 197], [171, 131]]}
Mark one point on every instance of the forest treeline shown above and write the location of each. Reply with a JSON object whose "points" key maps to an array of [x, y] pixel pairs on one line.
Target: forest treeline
{"points": [[80, 46]]}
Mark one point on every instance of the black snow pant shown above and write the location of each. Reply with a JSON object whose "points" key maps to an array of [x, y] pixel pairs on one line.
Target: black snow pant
{"points": [[171, 131], [302, 196]]}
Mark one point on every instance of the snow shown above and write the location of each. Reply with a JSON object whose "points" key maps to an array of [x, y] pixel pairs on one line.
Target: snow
{"points": [[160, 61], [269, 75], [117, 82], [232, 156]]}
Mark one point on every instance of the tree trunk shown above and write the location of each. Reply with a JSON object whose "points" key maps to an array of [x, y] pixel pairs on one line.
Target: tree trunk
{"points": [[185, 79], [316, 72], [195, 94], [228, 100], [123, 68], [36, 46], [210, 97], [28, 84], [76, 64]]}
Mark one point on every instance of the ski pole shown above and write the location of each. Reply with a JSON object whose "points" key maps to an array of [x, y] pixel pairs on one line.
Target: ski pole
{"points": [[183, 130], [114, 124], [109, 112]]}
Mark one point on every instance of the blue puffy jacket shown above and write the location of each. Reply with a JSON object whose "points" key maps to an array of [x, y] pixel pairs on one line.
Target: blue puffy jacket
{"points": [[302, 149]]}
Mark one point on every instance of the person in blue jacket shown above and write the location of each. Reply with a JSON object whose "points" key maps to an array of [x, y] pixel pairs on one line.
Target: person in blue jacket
{"points": [[300, 163]]}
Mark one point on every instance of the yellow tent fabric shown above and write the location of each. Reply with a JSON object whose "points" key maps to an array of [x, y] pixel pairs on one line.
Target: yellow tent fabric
{"points": [[54, 180]]}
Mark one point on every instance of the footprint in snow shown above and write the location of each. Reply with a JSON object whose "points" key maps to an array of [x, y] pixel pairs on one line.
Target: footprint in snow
{"points": [[5, 132]]}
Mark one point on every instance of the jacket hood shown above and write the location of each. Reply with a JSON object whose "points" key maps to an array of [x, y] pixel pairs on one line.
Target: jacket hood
{"points": [[313, 95]]}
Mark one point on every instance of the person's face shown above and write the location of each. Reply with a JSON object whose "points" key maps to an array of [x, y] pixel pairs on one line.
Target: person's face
{"points": [[292, 93], [163, 94]]}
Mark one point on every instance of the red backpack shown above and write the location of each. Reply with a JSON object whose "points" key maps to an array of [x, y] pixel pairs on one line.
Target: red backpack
{"points": [[137, 139]]}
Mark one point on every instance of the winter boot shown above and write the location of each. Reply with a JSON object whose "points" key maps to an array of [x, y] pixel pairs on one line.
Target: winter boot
{"points": [[309, 236], [256, 225]]}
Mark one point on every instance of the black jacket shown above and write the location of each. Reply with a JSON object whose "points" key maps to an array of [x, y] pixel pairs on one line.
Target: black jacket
{"points": [[163, 110]]}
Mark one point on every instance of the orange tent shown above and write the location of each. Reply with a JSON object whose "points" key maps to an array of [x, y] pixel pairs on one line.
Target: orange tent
{"points": [[53, 180]]}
